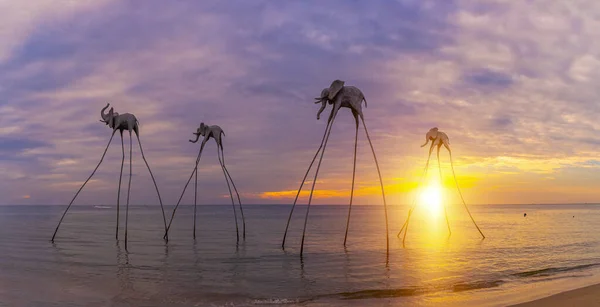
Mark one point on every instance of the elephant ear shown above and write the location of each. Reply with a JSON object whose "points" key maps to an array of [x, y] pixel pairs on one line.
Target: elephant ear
{"points": [[335, 87]]}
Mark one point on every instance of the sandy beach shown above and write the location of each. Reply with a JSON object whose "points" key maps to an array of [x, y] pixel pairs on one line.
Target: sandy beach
{"points": [[587, 296]]}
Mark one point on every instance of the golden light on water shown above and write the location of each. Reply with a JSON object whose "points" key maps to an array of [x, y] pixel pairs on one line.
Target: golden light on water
{"points": [[431, 199]]}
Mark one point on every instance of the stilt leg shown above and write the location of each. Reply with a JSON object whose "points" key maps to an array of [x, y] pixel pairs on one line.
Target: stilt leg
{"points": [[332, 118], [237, 231], [387, 236], [411, 211], [185, 187], [162, 208], [405, 222], [302, 183], [353, 176], [460, 193], [129, 185], [195, 199], [119, 189], [81, 188], [413, 205], [236, 193], [442, 184]]}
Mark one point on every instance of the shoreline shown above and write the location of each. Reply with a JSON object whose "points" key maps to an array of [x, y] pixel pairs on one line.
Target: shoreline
{"points": [[586, 296]]}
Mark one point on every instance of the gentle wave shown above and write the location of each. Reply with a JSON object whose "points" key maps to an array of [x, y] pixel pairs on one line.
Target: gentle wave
{"points": [[459, 287], [553, 271], [277, 301], [413, 291], [383, 293], [484, 284]]}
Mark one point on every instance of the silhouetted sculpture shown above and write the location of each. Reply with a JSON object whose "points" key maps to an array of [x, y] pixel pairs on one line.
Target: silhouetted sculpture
{"points": [[340, 96], [215, 132], [119, 122], [438, 139]]}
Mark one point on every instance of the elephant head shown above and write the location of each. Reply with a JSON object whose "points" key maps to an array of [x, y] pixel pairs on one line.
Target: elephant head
{"points": [[431, 135], [108, 118], [328, 94], [201, 131]]}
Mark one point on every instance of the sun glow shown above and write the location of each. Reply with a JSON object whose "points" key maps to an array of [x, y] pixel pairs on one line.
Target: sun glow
{"points": [[431, 199]]}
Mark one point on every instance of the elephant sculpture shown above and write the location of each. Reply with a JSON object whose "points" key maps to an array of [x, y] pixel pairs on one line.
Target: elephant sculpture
{"points": [[437, 138], [207, 132], [119, 122], [216, 133], [339, 96]]}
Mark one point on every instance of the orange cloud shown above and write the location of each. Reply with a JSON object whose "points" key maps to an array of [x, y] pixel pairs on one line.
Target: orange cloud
{"points": [[292, 193], [370, 190]]}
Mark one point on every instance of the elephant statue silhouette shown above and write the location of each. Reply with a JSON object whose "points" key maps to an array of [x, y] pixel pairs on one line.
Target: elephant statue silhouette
{"points": [[119, 122], [438, 139], [339, 96], [216, 133]]}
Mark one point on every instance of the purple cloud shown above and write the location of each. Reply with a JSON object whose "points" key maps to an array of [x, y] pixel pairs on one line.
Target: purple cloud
{"points": [[254, 67]]}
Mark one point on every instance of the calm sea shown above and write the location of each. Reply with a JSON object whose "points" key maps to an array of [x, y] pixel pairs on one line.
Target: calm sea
{"points": [[556, 247]]}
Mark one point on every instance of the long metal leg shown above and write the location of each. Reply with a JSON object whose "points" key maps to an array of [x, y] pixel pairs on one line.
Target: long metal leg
{"points": [[313, 186], [184, 188], [353, 176], [405, 222], [162, 208], [387, 235], [236, 193], [302, 183], [460, 193], [441, 184], [414, 203], [119, 189], [237, 231], [129, 185], [81, 188], [195, 198], [411, 211]]}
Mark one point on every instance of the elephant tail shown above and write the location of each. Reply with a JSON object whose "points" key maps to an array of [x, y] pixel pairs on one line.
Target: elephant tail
{"points": [[365, 99]]}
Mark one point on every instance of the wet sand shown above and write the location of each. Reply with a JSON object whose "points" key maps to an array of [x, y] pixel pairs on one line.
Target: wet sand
{"points": [[587, 296]]}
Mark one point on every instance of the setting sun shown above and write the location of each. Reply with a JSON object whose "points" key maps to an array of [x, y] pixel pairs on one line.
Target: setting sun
{"points": [[431, 199]]}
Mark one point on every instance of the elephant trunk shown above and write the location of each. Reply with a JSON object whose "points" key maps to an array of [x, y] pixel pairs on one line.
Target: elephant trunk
{"points": [[197, 138], [323, 105], [426, 141], [105, 115]]}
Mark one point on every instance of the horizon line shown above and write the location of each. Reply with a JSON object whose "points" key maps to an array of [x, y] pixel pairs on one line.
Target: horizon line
{"points": [[285, 204]]}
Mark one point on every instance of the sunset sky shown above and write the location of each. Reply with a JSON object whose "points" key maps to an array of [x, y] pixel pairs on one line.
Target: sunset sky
{"points": [[513, 83]]}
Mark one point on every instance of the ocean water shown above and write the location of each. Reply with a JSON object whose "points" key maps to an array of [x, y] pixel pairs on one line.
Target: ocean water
{"points": [[555, 247]]}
